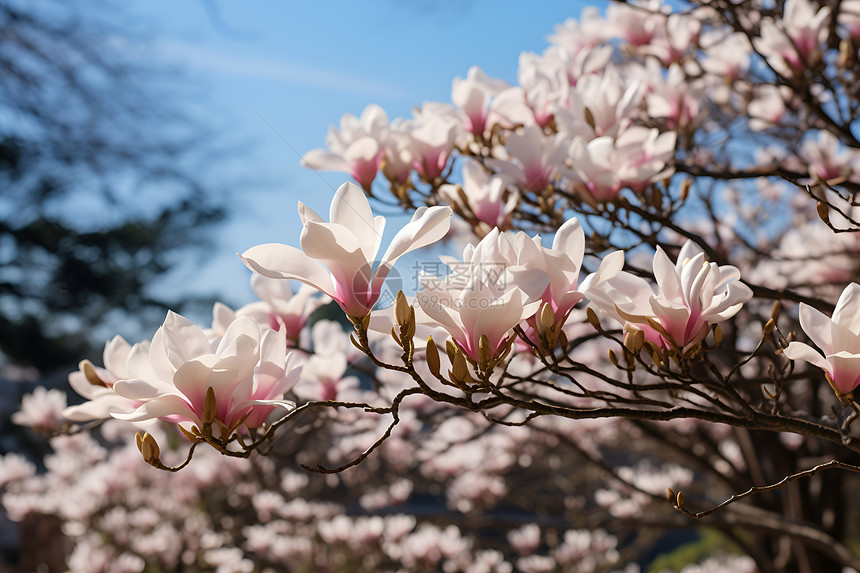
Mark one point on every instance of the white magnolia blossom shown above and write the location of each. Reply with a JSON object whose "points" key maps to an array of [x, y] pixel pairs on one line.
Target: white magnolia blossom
{"points": [[484, 196], [692, 295], [248, 370], [356, 149], [340, 258], [837, 337]]}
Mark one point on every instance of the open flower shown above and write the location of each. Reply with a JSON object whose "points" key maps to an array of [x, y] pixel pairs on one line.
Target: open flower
{"points": [[248, 371], [278, 308], [356, 149], [482, 296], [837, 337], [121, 360], [339, 258], [692, 295]]}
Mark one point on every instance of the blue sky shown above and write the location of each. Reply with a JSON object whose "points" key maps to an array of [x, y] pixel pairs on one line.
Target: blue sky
{"points": [[272, 76]]}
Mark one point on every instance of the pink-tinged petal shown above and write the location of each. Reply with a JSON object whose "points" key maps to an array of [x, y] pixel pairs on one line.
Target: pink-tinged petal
{"points": [[570, 239], [532, 282], [609, 268], [99, 409], [688, 251], [142, 390], [79, 382], [666, 275], [169, 405], [847, 311], [693, 275], [273, 353], [428, 225], [192, 380], [324, 160], [238, 361], [223, 315], [116, 355], [142, 364], [351, 209], [817, 326], [278, 261], [183, 340], [800, 351], [329, 241], [738, 293], [242, 329], [845, 371]]}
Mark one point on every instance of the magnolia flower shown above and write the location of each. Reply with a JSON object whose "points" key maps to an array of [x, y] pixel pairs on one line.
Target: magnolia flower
{"points": [[279, 308], [339, 258], [792, 42], [481, 296], [534, 158], [472, 95], [355, 149], [611, 100], [484, 195], [324, 370], [603, 166], [674, 98], [692, 295], [121, 360], [42, 410], [837, 337], [562, 264], [432, 139], [249, 372]]}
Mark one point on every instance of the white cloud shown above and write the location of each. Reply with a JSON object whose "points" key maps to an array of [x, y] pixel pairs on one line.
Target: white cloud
{"points": [[196, 58]]}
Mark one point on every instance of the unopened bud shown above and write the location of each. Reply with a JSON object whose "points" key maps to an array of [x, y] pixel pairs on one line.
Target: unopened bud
{"points": [[210, 406], [547, 316], [562, 339], [485, 352], [685, 189], [823, 212], [613, 358], [670, 495], [768, 327], [846, 54], [592, 318], [718, 334], [679, 500], [459, 369], [432, 355], [148, 448], [776, 310], [452, 350], [401, 309], [589, 118], [635, 340]]}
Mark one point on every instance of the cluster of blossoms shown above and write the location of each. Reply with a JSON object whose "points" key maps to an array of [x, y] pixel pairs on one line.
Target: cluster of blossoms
{"points": [[599, 146]]}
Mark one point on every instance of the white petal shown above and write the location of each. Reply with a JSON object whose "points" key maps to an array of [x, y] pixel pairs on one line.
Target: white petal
{"points": [[278, 261]]}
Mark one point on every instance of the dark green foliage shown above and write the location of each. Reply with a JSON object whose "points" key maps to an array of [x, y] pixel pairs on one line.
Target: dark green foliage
{"points": [[96, 200]]}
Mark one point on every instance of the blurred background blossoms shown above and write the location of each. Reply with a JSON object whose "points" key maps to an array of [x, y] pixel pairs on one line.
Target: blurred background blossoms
{"points": [[627, 185]]}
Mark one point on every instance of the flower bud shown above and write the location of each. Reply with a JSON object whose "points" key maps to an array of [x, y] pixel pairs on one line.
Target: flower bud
{"points": [[210, 406], [148, 448], [432, 355]]}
